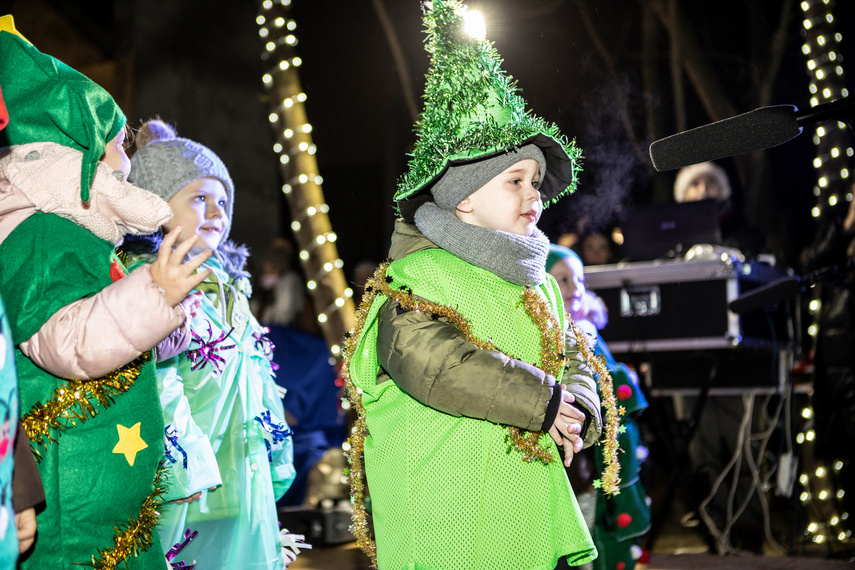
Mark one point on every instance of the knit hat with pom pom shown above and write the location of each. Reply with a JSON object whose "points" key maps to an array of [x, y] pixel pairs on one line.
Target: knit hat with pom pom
{"points": [[164, 164]]}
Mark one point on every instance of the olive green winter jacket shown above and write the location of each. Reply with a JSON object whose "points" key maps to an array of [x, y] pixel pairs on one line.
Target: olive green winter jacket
{"points": [[490, 386]]}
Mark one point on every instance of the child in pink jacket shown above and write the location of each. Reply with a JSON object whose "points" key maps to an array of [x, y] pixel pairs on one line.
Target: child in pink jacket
{"points": [[82, 326]]}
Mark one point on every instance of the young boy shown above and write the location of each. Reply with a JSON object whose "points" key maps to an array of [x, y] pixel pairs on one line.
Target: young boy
{"points": [[460, 351]]}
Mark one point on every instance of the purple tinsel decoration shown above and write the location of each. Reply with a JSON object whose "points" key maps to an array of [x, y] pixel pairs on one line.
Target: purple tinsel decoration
{"points": [[189, 535], [208, 349], [264, 344]]}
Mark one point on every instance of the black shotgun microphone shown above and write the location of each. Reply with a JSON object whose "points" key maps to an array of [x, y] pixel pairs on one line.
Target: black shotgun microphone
{"points": [[756, 130]]}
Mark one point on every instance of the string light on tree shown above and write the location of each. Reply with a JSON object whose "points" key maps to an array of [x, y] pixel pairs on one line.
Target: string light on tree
{"points": [[327, 286], [822, 49]]}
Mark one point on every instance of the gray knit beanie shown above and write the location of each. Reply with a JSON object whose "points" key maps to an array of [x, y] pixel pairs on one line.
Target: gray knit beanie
{"points": [[164, 164], [460, 181]]}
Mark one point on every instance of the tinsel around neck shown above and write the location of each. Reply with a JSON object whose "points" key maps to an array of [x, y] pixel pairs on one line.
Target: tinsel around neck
{"points": [[473, 111]]}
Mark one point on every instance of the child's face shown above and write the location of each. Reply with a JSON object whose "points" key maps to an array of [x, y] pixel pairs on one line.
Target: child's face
{"points": [[510, 202], [570, 275], [200, 208], [595, 250], [115, 156]]}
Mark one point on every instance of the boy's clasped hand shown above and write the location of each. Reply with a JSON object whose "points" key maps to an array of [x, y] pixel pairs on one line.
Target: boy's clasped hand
{"points": [[566, 430]]}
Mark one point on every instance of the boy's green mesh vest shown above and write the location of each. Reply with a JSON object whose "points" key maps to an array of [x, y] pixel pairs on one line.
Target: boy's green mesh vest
{"points": [[445, 491]]}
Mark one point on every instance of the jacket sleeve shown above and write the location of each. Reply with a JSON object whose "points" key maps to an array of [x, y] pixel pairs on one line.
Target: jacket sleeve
{"points": [[178, 340], [432, 361], [96, 335], [580, 382], [281, 452], [189, 458]]}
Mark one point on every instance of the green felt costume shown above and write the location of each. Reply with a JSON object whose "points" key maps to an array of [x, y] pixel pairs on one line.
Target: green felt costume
{"points": [[100, 454], [90, 488], [445, 490], [622, 519]]}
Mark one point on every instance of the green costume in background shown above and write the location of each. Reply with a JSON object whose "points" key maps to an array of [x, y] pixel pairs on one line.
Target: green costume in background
{"points": [[432, 474], [621, 520], [99, 453], [98, 473]]}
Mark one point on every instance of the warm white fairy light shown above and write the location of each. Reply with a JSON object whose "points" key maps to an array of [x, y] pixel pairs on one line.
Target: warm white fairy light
{"points": [[296, 151]]}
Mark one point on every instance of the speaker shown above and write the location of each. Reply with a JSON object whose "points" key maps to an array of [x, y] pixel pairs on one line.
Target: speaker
{"points": [[321, 527]]}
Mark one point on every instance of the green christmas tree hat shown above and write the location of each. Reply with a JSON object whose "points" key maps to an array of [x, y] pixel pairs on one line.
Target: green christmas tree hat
{"points": [[50, 102], [472, 111]]}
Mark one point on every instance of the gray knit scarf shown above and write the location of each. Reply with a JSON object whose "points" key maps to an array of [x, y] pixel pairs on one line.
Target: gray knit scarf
{"points": [[518, 259]]}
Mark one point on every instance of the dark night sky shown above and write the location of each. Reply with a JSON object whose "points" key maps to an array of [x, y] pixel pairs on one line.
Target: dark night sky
{"points": [[355, 95], [198, 65]]}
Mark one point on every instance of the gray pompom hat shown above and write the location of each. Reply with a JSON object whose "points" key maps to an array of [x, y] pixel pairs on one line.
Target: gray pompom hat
{"points": [[165, 163]]}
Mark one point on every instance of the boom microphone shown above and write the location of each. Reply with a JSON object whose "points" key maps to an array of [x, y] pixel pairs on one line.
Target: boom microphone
{"points": [[756, 130]]}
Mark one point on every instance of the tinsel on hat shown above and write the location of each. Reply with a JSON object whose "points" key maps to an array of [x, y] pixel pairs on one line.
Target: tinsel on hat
{"points": [[473, 111]]}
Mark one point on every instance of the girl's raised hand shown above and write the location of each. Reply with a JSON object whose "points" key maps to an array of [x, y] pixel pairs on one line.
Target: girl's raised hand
{"points": [[172, 273]]}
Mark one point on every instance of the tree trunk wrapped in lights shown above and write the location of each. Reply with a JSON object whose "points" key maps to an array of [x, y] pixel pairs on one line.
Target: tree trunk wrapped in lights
{"points": [[825, 470], [331, 297]]}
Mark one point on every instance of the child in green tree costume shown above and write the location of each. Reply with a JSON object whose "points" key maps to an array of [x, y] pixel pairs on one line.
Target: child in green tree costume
{"points": [[83, 327], [617, 523], [461, 346]]}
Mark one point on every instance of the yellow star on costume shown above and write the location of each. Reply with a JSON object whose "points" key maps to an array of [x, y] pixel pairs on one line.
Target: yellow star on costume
{"points": [[130, 442]]}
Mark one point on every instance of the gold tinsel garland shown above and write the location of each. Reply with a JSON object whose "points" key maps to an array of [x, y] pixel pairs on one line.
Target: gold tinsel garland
{"points": [[75, 402], [552, 361], [135, 536], [609, 483]]}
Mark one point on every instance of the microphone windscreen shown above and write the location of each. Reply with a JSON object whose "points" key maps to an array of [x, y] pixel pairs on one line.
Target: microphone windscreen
{"points": [[756, 130]]}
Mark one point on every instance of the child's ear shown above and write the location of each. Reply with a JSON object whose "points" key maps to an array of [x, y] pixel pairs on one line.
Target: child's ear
{"points": [[465, 206]]}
